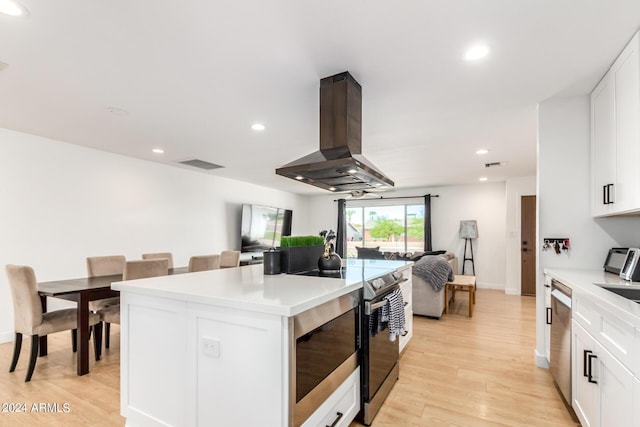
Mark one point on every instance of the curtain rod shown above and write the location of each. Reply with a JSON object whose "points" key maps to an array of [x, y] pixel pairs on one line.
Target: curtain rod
{"points": [[391, 198]]}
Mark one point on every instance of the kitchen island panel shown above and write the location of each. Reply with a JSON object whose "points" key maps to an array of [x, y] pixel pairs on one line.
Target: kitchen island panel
{"points": [[237, 353], [153, 358]]}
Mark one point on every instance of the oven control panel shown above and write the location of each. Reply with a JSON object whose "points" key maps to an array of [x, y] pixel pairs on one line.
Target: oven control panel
{"points": [[377, 283]]}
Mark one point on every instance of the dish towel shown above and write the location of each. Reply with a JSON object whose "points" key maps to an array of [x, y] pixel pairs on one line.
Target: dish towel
{"points": [[392, 313]]}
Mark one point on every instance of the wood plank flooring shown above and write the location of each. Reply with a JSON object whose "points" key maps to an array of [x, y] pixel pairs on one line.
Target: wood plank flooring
{"points": [[457, 371], [479, 371]]}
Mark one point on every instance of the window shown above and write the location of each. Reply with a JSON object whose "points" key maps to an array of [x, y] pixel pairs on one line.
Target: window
{"points": [[394, 228]]}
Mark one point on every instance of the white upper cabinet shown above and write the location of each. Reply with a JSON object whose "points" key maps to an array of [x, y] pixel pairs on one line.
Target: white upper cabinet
{"points": [[615, 136]]}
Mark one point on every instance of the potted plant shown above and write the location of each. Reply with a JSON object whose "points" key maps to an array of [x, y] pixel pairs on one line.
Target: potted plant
{"points": [[300, 253]]}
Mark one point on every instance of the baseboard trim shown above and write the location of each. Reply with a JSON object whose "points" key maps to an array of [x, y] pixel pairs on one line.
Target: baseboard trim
{"points": [[6, 337], [496, 286], [512, 292], [541, 360]]}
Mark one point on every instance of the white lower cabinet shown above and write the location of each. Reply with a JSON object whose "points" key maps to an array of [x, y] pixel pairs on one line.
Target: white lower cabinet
{"points": [[603, 389], [407, 295], [341, 407]]}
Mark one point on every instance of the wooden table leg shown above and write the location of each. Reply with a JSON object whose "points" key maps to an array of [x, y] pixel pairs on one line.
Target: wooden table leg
{"points": [[83, 334], [446, 299], [43, 338], [471, 300]]}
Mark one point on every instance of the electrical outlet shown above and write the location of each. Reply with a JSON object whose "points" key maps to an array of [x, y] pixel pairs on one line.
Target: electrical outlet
{"points": [[211, 346]]}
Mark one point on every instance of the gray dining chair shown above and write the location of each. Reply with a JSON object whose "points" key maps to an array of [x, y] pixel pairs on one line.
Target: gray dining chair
{"points": [[108, 265], [157, 255], [204, 263], [138, 269], [30, 320], [229, 259]]}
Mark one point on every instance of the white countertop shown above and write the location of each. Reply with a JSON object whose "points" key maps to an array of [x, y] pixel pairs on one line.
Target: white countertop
{"points": [[585, 281], [247, 288]]}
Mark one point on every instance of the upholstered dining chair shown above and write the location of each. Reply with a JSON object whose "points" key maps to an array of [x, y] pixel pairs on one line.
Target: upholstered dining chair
{"points": [[167, 255], [204, 262], [30, 320], [138, 269], [229, 259], [105, 266]]}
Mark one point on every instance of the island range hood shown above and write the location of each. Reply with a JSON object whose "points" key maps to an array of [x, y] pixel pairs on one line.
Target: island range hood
{"points": [[339, 164]]}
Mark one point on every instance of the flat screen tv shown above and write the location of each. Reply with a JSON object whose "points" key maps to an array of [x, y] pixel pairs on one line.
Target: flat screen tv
{"points": [[262, 227]]}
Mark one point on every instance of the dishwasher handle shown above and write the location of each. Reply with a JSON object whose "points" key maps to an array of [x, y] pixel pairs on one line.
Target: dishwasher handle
{"points": [[561, 297]]}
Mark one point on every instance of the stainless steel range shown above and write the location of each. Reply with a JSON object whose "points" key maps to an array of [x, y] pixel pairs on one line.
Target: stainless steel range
{"points": [[379, 367], [378, 356]]}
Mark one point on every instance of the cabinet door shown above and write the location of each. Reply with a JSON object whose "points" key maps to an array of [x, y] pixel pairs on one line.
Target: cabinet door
{"points": [[407, 290], [603, 145], [585, 395], [626, 75], [547, 326], [615, 384]]}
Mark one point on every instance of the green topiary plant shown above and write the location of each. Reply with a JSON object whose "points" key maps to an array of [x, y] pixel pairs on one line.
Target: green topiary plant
{"points": [[289, 241]]}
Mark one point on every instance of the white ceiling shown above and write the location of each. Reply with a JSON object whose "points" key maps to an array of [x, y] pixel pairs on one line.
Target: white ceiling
{"points": [[194, 75]]}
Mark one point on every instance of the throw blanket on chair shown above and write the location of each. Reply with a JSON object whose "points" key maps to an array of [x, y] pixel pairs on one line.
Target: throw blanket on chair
{"points": [[434, 270]]}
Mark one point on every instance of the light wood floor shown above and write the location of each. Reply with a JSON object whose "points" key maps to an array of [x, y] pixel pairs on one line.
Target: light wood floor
{"points": [[471, 372], [456, 371]]}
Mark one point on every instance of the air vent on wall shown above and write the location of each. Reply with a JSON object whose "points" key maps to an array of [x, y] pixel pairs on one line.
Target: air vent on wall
{"points": [[196, 163], [495, 164]]}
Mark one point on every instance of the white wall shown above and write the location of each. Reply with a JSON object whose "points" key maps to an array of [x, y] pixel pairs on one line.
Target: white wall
{"points": [[515, 188], [485, 203], [564, 192], [62, 203]]}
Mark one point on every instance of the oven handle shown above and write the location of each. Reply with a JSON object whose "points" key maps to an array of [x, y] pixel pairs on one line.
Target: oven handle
{"points": [[370, 308]]}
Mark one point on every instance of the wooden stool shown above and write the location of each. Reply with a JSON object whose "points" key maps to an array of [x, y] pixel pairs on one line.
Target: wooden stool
{"points": [[464, 284]]}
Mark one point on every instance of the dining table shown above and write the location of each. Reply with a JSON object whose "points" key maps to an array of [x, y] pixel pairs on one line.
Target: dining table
{"points": [[82, 290]]}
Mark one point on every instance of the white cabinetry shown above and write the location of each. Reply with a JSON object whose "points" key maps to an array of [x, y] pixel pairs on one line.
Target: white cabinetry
{"points": [[604, 349], [547, 325], [615, 136], [341, 407], [407, 289]]}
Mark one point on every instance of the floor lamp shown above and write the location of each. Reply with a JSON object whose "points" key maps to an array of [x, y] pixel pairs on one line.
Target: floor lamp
{"points": [[468, 231]]}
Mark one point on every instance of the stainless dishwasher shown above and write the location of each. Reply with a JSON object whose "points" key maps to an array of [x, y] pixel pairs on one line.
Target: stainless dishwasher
{"points": [[560, 340]]}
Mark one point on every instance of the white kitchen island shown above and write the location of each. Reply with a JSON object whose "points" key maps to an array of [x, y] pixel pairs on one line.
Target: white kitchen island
{"points": [[212, 348]]}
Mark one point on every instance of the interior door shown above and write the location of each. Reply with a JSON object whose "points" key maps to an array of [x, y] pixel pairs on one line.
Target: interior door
{"points": [[528, 245]]}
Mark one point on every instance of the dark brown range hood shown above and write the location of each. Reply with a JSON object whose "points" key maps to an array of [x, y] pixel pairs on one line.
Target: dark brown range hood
{"points": [[339, 165]]}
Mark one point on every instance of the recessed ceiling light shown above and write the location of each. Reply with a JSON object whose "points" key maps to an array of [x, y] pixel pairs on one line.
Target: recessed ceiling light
{"points": [[257, 126], [299, 177], [158, 150], [115, 110], [483, 179], [476, 52], [352, 171], [482, 151], [12, 8], [332, 188]]}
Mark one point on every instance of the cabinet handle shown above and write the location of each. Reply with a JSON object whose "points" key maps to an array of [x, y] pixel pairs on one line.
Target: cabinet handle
{"points": [[549, 315], [404, 334], [335, 422], [604, 194], [609, 198], [585, 363], [590, 376]]}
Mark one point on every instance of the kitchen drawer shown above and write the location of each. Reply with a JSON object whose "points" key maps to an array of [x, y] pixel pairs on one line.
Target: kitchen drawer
{"points": [[341, 407], [408, 316], [619, 337], [584, 312], [407, 287]]}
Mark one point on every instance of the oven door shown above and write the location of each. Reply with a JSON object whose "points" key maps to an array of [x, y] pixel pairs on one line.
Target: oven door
{"points": [[381, 354]]}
